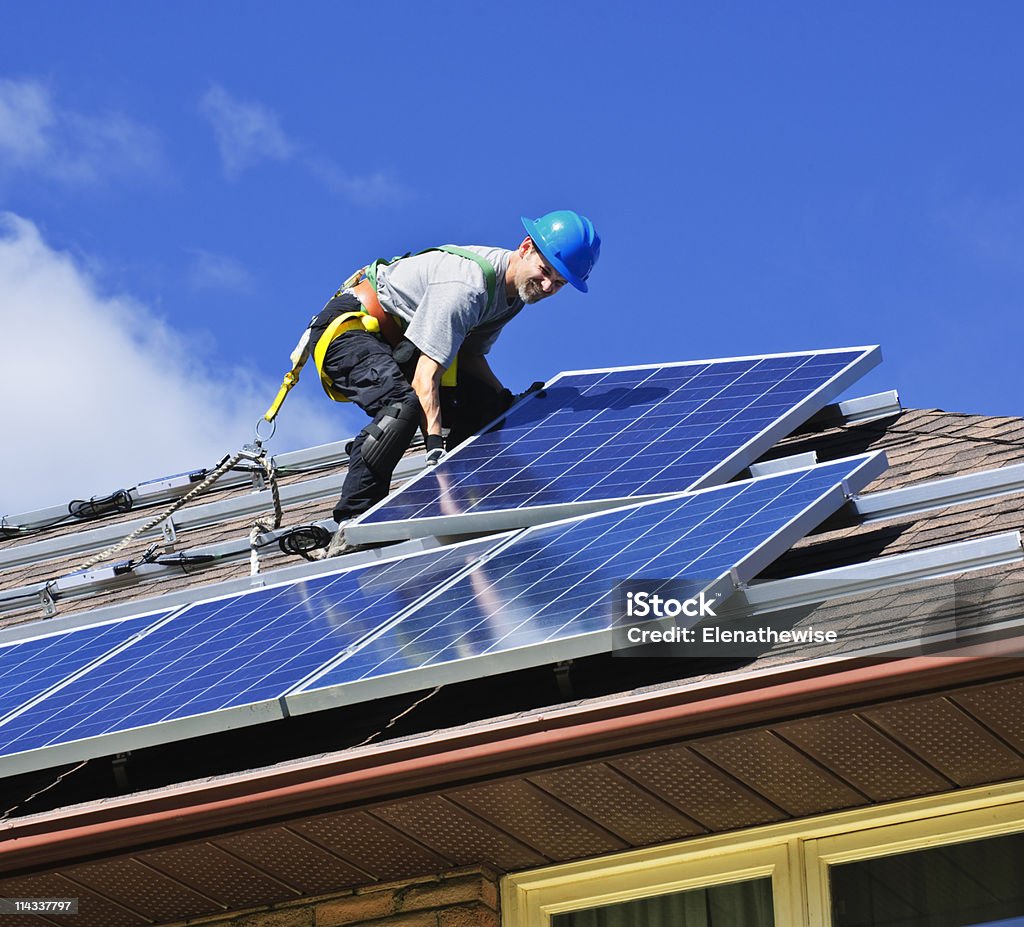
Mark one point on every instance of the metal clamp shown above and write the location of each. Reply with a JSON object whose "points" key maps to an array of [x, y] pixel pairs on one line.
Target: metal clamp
{"points": [[48, 601]]}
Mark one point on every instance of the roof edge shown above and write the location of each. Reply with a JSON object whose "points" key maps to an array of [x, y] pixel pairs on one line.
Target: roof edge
{"points": [[452, 757]]}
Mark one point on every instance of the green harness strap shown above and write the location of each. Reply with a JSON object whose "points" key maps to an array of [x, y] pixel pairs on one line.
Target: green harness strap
{"points": [[490, 274]]}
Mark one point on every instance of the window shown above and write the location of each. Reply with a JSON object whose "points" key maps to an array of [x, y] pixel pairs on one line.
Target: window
{"points": [[951, 886], [954, 866], [954, 860]]}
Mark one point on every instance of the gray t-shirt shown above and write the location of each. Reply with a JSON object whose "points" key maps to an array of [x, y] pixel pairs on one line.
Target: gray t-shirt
{"points": [[443, 297]]}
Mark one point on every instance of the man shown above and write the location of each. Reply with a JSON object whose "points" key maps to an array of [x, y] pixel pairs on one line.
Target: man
{"points": [[386, 342]]}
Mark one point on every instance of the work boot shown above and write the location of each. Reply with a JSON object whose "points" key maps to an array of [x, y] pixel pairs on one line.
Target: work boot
{"points": [[338, 545]]}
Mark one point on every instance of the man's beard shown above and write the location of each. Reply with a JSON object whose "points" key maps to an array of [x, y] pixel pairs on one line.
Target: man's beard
{"points": [[530, 291]]}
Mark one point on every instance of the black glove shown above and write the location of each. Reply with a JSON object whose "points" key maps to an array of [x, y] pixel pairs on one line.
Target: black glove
{"points": [[435, 449], [536, 387]]}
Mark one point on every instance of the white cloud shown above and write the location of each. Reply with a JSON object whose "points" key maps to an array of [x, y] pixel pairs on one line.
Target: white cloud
{"points": [[102, 394], [250, 133], [39, 137], [246, 133], [26, 116], [212, 271], [377, 189]]}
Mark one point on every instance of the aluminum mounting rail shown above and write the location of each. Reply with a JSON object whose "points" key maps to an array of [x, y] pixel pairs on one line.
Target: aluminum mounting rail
{"points": [[880, 573], [938, 494], [89, 541], [165, 489], [866, 508], [855, 411], [31, 597]]}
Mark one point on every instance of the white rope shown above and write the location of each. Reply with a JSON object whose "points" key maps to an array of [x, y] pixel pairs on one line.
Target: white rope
{"points": [[153, 522], [259, 527]]}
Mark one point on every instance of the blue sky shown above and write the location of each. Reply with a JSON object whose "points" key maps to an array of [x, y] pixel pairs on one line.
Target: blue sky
{"points": [[183, 185]]}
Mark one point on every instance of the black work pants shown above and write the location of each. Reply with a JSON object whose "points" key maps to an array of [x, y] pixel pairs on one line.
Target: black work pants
{"points": [[469, 406], [361, 366]]}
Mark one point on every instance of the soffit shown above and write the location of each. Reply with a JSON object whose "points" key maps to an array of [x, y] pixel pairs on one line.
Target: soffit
{"points": [[793, 768]]}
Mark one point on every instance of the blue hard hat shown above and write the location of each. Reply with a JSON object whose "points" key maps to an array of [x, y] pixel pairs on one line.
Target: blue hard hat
{"points": [[568, 241]]}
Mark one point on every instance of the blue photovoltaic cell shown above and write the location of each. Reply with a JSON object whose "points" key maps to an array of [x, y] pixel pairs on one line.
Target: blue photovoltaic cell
{"points": [[237, 650], [29, 667], [556, 581], [628, 433]]}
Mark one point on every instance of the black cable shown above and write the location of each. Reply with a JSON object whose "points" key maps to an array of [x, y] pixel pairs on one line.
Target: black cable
{"points": [[12, 532], [304, 538], [319, 468], [149, 556], [7, 532], [184, 560], [117, 502]]}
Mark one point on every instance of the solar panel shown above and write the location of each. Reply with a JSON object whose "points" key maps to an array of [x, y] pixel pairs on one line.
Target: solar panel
{"points": [[29, 668], [616, 434], [547, 594], [224, 662]]}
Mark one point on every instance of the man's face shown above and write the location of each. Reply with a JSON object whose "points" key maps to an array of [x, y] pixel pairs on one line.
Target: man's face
{"points": [[537, 279]]}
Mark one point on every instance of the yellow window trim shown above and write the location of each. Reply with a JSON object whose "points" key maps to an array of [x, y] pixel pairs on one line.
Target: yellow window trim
{"points": [[795, 854]]}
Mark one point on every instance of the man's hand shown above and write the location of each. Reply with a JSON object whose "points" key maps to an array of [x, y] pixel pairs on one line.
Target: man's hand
{"points": [[536, 387], [435, 450]]}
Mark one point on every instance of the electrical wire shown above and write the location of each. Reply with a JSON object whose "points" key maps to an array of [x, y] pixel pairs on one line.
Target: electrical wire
{"points": [[399, 716], [303, 539], [226, 464], [117, 503], [184, 559], [12, 532], [21, 804]]}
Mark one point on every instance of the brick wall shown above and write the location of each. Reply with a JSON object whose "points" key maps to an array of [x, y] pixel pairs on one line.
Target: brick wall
{"points": [[464, 898]]}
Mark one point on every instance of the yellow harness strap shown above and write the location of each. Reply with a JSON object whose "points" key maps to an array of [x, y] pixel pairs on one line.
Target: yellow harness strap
{"points": [[369, 320], [349, 321], [451, 376], [346, 322], [298, 358], [290, 379]]}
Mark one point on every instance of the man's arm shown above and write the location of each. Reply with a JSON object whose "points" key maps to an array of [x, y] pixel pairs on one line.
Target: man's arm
{"points": [[476, 366], [426, 383]]}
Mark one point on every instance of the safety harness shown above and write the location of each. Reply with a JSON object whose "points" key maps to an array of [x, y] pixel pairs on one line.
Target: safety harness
{"points": [[372, 318]]}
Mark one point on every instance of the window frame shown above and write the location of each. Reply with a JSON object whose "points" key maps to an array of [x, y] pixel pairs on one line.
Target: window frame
{"points": [[890, 840], [796, 855]]}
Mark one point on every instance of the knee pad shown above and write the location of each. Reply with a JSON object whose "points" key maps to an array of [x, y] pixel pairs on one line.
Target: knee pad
{"points": [[388, 436]]}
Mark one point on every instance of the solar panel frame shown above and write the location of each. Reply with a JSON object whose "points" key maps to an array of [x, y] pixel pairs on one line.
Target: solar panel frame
{"points": [[314, 696], [300, 698], [34, 666], [723, 463], [164, 731]]}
